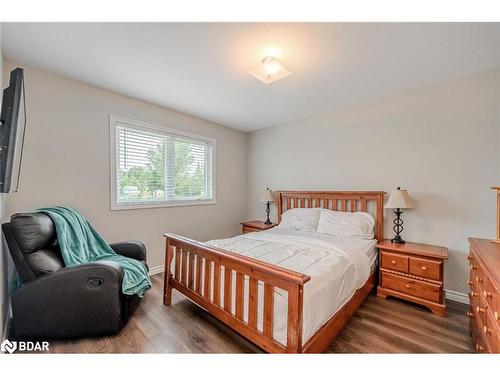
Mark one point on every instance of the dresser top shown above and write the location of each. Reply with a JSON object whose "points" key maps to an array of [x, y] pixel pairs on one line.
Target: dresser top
{"points": [[415, 249], [488, 253]]}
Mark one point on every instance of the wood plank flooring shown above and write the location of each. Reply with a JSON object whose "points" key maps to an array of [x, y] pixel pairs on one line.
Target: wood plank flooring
{"points": [[379, 326]]}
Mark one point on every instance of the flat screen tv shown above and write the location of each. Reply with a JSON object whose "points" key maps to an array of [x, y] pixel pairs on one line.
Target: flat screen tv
{"points": [[13, 123]]}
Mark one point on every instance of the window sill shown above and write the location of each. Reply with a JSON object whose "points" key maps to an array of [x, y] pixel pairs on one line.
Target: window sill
{"points": [[142, 206]]}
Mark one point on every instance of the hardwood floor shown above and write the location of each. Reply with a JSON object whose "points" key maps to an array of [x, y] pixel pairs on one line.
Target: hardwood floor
{"points": [[379, 326]]}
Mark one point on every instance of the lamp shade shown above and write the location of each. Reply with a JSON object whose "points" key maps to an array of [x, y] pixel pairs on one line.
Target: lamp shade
{"points": [[399, 198], [267, 196]]}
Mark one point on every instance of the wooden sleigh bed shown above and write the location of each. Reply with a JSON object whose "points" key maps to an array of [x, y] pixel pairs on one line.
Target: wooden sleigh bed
{"points": [[196, 273]]}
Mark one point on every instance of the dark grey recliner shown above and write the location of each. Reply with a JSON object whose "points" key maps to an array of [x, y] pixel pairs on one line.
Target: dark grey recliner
{"points": [[55, 301]]}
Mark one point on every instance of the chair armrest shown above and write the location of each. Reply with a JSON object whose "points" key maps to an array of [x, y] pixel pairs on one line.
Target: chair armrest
{"points": [[130, 249], [83, 300]]}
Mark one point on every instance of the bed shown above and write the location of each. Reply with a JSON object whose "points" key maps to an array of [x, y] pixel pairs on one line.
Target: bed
{"points": [[281, 289]]}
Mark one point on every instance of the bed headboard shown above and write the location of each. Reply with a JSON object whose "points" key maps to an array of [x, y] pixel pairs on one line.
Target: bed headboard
{"points": [[351, 201]]}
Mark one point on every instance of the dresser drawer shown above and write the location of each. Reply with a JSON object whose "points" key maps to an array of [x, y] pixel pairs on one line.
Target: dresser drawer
{"points": [[495, 310], [479, 340], [481, 309], [412, 287], [394, 262], [477, 273], [492, 297], [489, 330], [495, 339], [473, 265], [427, 268]]}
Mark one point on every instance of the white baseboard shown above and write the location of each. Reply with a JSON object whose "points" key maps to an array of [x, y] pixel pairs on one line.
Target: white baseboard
{"points": [[156, 270], [457, 296]]}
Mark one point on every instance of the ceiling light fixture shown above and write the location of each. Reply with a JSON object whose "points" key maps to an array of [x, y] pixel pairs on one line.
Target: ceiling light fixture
{"points": [[269, 70]]}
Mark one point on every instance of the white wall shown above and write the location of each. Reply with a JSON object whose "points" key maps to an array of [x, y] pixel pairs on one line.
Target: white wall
{"points": [[66, 162], [440, 143]]}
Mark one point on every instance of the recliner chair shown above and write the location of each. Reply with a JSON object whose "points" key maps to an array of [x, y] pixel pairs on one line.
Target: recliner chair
{"points": [[55, 301]]}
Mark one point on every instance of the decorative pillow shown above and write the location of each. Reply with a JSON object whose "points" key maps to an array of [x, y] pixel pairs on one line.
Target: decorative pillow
{"points": [[303, 219], [349, 224]]}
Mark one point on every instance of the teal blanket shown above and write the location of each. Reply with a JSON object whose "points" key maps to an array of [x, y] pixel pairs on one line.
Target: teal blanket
{"points": [[80, 243]]}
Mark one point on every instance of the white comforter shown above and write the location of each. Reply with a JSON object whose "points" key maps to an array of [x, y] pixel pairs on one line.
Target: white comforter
{"points": [[338, 266]]}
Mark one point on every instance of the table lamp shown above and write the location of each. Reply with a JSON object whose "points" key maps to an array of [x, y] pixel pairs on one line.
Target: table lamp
{"points": [[399, 199], [267, 197]]}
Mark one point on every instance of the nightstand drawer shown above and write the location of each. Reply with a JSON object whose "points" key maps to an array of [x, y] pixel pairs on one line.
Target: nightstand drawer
{"points": [[429, 269], [394, 262], [411, 287], [249, 230]]}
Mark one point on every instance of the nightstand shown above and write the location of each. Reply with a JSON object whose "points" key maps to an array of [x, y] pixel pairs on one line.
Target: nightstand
{"points": [[413, 272], [255, 226]]}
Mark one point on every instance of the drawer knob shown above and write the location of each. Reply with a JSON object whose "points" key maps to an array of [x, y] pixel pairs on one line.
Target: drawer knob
{"points": [[486, 330], [424, 268], [472, 267], [469, 257], [478, 280], [487, 294], [407, 286], [480, 309], [393, 261], [473, 294], [470, 282], [470, 315], [497, 315], [479, 348]]}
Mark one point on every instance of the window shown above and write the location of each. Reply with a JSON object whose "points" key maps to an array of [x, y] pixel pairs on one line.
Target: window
{"points": [[154, 166]]}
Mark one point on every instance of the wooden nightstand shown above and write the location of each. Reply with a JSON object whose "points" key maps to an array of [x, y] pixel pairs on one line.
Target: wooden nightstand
{"points": [[414, 272], [255, 226]]}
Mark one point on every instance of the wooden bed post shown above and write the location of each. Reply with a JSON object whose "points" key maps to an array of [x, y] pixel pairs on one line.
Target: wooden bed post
{"points": [[295, 319], [169, 255]]}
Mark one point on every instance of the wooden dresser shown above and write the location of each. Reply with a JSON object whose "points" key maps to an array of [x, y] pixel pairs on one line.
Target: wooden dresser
{"points": [[413, 272], [484, 295]]}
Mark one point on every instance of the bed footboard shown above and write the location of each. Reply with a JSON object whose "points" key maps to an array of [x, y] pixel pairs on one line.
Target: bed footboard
{"points": [[195, 270]]}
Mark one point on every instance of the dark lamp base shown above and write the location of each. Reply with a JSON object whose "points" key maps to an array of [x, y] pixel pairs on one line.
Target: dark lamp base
{"points": [[268, 211], [398, 227], [398, 240]]}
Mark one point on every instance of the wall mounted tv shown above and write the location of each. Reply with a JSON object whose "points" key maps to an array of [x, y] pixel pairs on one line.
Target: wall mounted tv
{"points": [[13, 122]]}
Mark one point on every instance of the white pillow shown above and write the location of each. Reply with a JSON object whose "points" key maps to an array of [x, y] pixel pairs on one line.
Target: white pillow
{"points": [[349, 224], [303, 219]]}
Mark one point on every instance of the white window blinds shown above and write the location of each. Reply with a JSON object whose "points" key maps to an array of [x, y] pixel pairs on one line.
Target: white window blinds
{"points": [[155, 167]]}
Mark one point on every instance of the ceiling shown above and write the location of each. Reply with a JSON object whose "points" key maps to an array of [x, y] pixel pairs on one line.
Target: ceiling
{"points": [[202, 68]]}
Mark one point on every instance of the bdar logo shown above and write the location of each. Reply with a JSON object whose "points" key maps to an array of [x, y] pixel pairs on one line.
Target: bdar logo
{"points": [[24, 346], [8, 346]]}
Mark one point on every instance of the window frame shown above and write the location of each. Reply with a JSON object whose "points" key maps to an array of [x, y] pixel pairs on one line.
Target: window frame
{"points": [[114, 122]]}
